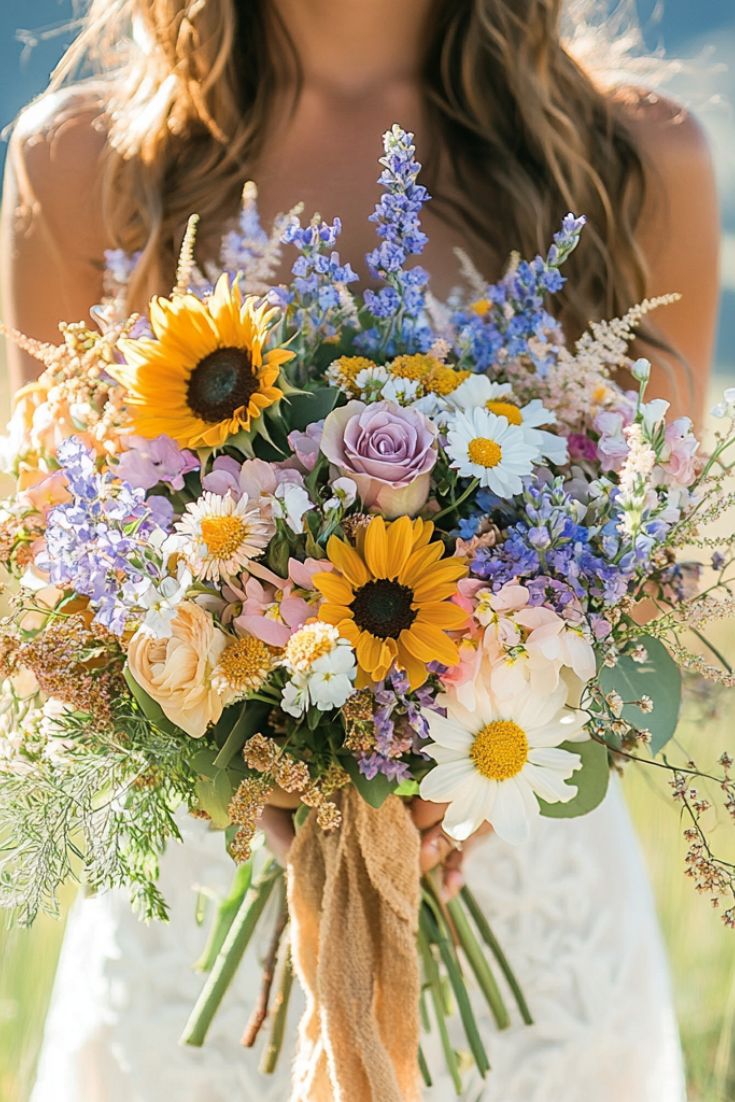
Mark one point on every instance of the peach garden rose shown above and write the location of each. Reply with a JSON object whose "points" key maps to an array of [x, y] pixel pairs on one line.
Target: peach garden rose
{"points": [[177, 671]]}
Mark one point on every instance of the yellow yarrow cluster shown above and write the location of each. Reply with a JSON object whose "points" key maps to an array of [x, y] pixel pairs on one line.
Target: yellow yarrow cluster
{"points": [[433, 376]]}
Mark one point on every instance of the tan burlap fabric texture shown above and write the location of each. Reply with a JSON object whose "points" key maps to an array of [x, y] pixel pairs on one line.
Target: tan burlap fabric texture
{"points": [[354, 901]]}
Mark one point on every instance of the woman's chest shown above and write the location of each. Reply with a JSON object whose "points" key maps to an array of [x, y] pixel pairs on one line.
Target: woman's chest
{"points": [[328, 160]]}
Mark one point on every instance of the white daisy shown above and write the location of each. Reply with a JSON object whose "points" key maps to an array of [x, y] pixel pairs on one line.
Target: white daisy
{"points": [[493, 762], [484, 446], [478, 391], [220, 535]]}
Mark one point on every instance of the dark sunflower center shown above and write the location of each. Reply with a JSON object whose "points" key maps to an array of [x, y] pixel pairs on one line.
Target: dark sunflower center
{"points": [[221, 383], [383, 608]]}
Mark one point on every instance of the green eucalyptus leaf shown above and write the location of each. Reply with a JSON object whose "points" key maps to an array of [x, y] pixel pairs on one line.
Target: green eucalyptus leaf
{"points": [[659, 678], [374, 792], [591, 781]]}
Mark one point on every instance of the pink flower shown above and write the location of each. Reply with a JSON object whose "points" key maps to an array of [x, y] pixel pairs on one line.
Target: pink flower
{"points": [[272, 607], [388, 451], [148, 462], [306, 444], [679, 451], [46, 491]]}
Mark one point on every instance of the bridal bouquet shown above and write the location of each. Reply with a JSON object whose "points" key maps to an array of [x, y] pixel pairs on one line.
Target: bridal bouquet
{"points": [[293, 544]]}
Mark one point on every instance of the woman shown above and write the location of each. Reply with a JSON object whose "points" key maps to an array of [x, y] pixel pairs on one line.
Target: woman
{"points": [[513, 132]]}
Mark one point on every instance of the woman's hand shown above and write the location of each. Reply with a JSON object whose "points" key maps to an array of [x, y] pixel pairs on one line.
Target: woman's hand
{"points": [[277, 824], [438, 849]]}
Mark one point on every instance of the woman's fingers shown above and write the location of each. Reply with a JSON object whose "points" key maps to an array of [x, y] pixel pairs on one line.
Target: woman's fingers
{"points": [[453, 874], [435, 848], [426, 814], [277, 825]]}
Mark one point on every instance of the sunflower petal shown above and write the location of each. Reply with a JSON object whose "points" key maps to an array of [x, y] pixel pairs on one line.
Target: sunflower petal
{"points": [[376, 548], [347, 561]]}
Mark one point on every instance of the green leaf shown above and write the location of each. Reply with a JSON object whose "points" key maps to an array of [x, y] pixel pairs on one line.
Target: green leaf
{"points": [[152, 711], [303, 409], [209, 795], [659, 678], [374, 792], [591, 781], [251, 716], [407, 788]]}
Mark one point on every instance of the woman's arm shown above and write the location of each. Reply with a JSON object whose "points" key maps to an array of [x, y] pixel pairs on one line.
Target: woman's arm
{"points": [[52, 239], [680, 236]]}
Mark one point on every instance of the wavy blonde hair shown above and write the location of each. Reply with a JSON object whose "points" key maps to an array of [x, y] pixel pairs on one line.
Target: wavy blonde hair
{"points": [[189, 86]]}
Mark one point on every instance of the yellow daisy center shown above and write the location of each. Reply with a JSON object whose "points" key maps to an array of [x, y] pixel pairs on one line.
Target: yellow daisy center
{"points": [[484, 452], [245, 663], [349, 367], [500, 750], [221, 383], [481, 307], [511, 413], [223, 535]]}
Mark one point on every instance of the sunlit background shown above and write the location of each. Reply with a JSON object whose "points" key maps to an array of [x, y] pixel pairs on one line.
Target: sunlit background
{"points": [[701, 33]]}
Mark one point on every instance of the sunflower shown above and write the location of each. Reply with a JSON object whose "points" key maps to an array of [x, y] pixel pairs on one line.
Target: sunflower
{"points": [[391, 598], [204, 376]]}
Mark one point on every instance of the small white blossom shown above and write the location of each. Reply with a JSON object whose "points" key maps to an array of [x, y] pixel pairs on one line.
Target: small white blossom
{"points": [[290, 503], [345, 494]]}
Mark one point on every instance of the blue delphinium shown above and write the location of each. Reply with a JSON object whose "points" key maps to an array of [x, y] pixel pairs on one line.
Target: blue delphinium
{"points": [[313, 298], [398, 307], [97, 543], [514, 322], [556, 551]]}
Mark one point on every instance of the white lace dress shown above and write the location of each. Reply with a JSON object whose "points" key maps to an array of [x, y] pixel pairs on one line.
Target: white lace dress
{"points": [[573, 910]]}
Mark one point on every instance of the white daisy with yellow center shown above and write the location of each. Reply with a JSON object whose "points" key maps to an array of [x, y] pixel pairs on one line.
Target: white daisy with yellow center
{"points": [[480, 392], [322, 668], [484, 446], [494, 761], [219, 535]]}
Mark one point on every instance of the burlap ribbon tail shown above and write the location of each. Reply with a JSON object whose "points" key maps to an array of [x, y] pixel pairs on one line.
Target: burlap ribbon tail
{"points": [[354, 902]]}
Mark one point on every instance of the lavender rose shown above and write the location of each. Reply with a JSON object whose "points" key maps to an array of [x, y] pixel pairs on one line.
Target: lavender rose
{"points": [[389, 452]]}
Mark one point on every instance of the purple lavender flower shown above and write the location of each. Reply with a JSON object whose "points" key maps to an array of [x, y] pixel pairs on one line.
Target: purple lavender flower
{"points": [[97, 542]]}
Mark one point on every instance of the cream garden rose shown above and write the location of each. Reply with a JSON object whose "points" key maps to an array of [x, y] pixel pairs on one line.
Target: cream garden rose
{"points": [[177, 671]]}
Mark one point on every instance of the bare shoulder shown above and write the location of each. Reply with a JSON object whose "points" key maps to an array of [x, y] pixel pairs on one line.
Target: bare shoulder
{"points": [[672, 140], [55, 152]]}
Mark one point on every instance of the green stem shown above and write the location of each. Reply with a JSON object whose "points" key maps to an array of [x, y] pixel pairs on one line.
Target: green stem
{"points": [[224, 917], [432, 975], [478, 964], [492, 942], [454, 505], [437, 930], [424, 1068], [280, 1014], [228, 960]]}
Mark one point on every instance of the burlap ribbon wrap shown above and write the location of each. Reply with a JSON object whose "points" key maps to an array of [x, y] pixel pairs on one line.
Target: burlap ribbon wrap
{"points": [[354, 903]]}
